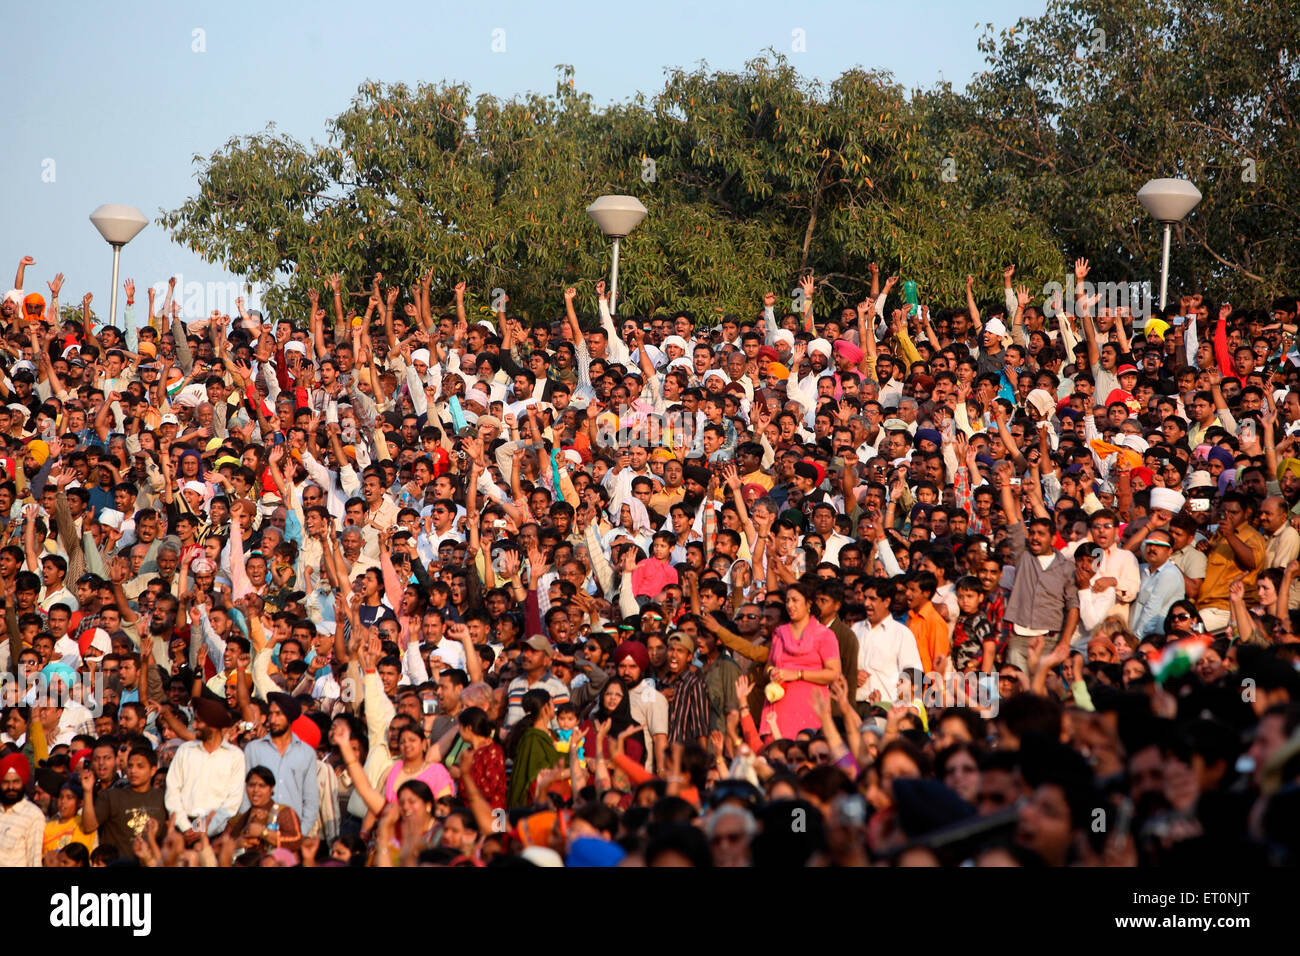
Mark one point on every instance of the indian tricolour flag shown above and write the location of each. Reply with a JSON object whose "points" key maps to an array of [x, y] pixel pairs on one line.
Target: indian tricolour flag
{"points": [[1178, 657]]}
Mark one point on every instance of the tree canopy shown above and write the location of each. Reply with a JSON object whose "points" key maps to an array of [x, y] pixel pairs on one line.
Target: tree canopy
{"points": [[751, 178]]}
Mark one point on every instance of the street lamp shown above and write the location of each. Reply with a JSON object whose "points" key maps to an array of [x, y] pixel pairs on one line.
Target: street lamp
{"points": [[616, 216], [118, 225], [1168, 201]]}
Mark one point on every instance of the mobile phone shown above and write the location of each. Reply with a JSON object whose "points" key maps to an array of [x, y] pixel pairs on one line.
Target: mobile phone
{"points": [[1014, 482], [1198, 504], [429, 706], [1178, 320]]}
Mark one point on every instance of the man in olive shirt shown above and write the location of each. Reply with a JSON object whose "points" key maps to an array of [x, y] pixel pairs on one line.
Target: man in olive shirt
{"points": [[120, 814]]}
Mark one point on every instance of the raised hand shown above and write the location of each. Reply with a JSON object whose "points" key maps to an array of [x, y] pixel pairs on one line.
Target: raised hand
{"points": [[808, 284], [743, 685], [731, 476], [1080, 269]]}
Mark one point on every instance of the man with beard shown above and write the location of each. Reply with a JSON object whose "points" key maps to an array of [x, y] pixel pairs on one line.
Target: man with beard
{"points": [[22, 825], [205, 782], [291, 761]]}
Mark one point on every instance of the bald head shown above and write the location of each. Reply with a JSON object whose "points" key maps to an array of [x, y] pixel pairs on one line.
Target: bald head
{"points": [[1273, 513]]}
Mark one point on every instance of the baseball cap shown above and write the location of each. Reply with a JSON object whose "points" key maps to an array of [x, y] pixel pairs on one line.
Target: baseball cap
{"points": [[539, 643], [684, 639]]}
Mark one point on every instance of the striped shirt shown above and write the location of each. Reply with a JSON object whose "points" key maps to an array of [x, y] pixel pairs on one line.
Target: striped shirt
{"points": [[688, 708], [558, 690]]}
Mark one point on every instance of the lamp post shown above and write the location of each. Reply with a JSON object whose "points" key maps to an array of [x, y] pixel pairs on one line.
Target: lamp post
{"points": [[118, 225], [1168, 201], [616, 216]]}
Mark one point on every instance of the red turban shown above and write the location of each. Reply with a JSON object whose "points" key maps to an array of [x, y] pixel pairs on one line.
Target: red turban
{"points": [[635, 650], [307, 731], [19, 765]]}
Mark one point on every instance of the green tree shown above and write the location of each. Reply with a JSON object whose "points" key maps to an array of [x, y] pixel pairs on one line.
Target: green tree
{"points": [[1082, 105], [750, 178]]}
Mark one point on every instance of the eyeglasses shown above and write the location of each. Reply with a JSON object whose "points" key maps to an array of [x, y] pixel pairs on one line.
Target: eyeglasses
{"points": [[742, 617]]}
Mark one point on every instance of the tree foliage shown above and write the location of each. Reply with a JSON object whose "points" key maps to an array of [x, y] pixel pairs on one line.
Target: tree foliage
{"points": [[1084, 104], [755, 176], [749, 179]]}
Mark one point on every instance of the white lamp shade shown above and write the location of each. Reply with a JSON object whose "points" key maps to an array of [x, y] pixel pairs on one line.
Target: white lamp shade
{"points": [[118, 224], [1169, 200], [616, 215]]}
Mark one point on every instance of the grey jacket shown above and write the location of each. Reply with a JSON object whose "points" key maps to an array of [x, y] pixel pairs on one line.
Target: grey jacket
{"points": [[1040, 598]]}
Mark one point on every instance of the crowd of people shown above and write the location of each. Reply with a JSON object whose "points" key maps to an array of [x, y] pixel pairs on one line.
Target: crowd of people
{"points": [[1010, 582]]}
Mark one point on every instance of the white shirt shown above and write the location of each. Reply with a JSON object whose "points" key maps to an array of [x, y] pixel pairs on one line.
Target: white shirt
{"points": [[61, 596], [947, 597], [1094, 607], [885, 650], [650, 710], [833, 545], [199, 782], [22, 833]]}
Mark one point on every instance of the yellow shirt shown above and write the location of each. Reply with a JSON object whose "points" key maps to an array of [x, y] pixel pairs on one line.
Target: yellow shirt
{"points": [[59, 833], [663, 500], [1221, 568]]}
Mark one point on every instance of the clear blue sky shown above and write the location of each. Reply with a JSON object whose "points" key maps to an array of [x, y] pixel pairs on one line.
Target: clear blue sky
{"points": [[115, 96]]}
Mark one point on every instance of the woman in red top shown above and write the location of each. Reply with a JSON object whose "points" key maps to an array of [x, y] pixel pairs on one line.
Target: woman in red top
{"points": [[489, 766]]}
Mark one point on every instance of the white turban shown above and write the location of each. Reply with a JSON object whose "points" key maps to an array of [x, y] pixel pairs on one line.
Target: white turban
{"points": [[1168, 499], [1135, 442], [420, 355], [820, 345], [1042, 401]]}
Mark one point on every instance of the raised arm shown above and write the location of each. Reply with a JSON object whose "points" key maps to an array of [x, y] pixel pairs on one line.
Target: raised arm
{"points": [[971, 308], [1089, 331]]}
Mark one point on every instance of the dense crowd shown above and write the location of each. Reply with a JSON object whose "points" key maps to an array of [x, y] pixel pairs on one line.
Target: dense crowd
{"points": [[1010, 582]]}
